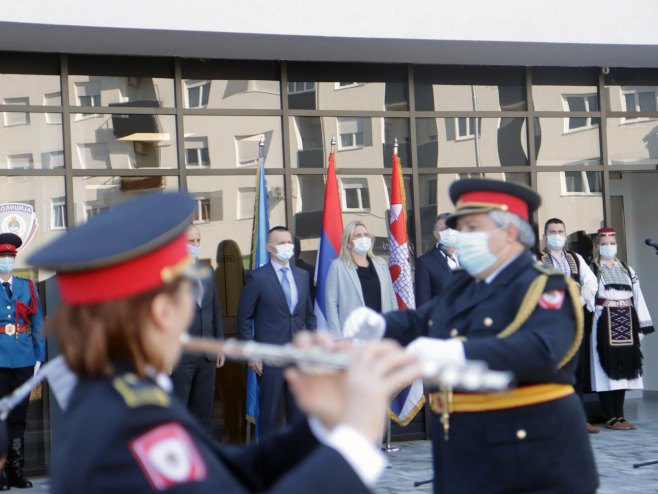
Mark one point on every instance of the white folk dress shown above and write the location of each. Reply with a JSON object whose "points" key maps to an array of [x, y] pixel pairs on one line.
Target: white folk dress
{"points": [[600, 380]]}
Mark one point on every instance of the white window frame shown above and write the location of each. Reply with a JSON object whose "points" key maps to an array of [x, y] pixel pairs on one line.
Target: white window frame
{"points": [[197, 144], [22, 161], [15, 118], [354, 183], [588, 122], [470, 133], [636, 92], [49, 155], [242, 198], [202, 203], [585, 181], [204, 88], [358, 123], [53, 99], [300, 87], [347, 85], [58, 203], [249, 160]]}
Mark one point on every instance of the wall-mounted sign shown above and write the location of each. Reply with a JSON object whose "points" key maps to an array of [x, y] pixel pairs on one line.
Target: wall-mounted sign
{"points": [[19, 218]]}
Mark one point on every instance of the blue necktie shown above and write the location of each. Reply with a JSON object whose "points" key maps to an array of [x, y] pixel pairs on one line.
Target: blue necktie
{"points": [[285, 284], [8, 288]]}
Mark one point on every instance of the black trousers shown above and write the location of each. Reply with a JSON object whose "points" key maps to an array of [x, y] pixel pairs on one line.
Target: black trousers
{"points": [[10, 379], [194, 384], [272, 388]]}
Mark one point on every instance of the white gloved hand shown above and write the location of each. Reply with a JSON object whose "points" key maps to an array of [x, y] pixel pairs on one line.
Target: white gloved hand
{"points": [[364, 324], [37, 366], [436, 354]]}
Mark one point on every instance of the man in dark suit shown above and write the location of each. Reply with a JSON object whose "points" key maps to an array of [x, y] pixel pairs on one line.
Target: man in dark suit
{"points": [[194, 377], [433, 269], [276, 299]]}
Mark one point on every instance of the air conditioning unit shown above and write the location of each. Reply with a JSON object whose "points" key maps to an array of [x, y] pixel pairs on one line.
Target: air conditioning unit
{"points": [[141, 148]]}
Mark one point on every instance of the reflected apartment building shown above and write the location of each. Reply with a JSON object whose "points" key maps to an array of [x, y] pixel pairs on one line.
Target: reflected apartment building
{"points": [[179, 100]]}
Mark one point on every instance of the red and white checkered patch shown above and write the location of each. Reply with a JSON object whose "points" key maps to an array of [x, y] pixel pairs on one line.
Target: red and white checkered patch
{"points": [[551, 300], [168, 456]]}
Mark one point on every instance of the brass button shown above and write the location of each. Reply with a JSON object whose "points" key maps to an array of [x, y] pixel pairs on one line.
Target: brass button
{"points": [[430, 322], [521, 434], [454, 333], [488, 321]]}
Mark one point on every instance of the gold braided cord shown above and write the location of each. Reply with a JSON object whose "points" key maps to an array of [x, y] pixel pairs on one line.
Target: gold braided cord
{"points": [[528, 305], [574, 293]]}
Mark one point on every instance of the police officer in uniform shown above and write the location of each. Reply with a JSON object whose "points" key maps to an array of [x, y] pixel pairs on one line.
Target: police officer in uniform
{"points": [[124, 279], [514, 314], [21, 349]]}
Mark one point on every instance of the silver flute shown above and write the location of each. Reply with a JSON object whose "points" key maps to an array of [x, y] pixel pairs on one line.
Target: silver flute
{"points": [[472, 375]]}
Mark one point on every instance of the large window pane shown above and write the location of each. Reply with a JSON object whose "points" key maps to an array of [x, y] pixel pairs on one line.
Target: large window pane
{"points": [[558, 142], [36, 143], [121, 141], [207, 93], [576, 198], [632, 141], [36, 89], [232, 142], [360, 141], [96, 90], [225, 210], [471, 141], [565, 89], [469, 89], [95, 195]]}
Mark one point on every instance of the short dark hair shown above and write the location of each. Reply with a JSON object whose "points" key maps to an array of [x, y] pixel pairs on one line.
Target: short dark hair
{"points": [[276, 229], [553, 221]]}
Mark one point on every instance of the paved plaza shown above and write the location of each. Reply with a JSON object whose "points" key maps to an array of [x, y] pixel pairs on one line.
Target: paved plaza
{"points": [[615, 451]]}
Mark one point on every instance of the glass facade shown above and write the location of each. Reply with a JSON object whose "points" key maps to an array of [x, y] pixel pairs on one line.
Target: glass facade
{"points": [[79, 133]]}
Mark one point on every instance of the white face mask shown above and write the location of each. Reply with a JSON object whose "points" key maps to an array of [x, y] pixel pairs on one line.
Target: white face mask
{"points": [[362, 245], [473, 252], [6, 264], [449, 238], [284, 252], [555, 242], [608, 251]]}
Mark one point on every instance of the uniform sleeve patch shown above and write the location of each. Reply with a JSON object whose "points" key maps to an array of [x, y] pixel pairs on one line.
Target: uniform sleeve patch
{"points": [[168, 457], [552, 300]]}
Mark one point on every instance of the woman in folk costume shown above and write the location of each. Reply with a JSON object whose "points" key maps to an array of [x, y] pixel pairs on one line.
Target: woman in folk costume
{"points": [[621, 320]]}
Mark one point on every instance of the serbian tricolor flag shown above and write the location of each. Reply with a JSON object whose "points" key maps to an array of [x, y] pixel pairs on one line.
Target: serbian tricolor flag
{"points": [[332, 231], [408, 401]]}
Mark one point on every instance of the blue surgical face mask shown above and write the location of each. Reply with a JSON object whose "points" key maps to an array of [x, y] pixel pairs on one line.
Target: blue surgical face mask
{"points": [[6, 264], [608, 251], [362, 245], [473, 252], [555, 242], [193, 250], [284, 252], [449, 238]]}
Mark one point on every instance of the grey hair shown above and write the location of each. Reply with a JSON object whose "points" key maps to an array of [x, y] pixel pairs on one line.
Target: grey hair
{"points": [[442, 216], [504, 219]]}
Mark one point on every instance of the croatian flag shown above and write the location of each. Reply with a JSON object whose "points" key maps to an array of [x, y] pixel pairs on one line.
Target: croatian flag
{"points": [[259, 257], [332, 231], [408, 401]]}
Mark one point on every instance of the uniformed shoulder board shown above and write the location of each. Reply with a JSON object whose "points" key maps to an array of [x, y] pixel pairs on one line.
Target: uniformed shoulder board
{"points": [[137, 392]]}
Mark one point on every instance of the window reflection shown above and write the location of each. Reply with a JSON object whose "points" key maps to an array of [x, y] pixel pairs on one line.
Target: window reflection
{"points": [[121, 141], [633, 141], [231, 94], [557, 142], [31, 141], [97, 90], [95, 195], [371, 96], [470, 141], [34, 89]]}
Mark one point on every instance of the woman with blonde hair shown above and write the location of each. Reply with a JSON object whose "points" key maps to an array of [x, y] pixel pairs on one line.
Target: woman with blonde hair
{"points": [[357, 278], [621, 319], [128, 294]]}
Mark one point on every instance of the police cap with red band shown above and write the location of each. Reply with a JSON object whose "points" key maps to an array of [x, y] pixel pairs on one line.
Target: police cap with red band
{"points": [[477, 195], [9, 243], [137, 246]]}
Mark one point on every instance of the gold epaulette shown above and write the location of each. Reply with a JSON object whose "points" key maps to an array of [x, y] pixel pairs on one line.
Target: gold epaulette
{"points": [[548, 270], [137, 393]]}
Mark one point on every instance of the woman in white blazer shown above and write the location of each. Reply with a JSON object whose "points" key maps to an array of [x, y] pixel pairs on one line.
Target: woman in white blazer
{"points": [[357, 278]]}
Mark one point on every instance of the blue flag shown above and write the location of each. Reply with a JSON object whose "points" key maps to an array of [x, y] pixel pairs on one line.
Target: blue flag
{"points": [[259, 257]]}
